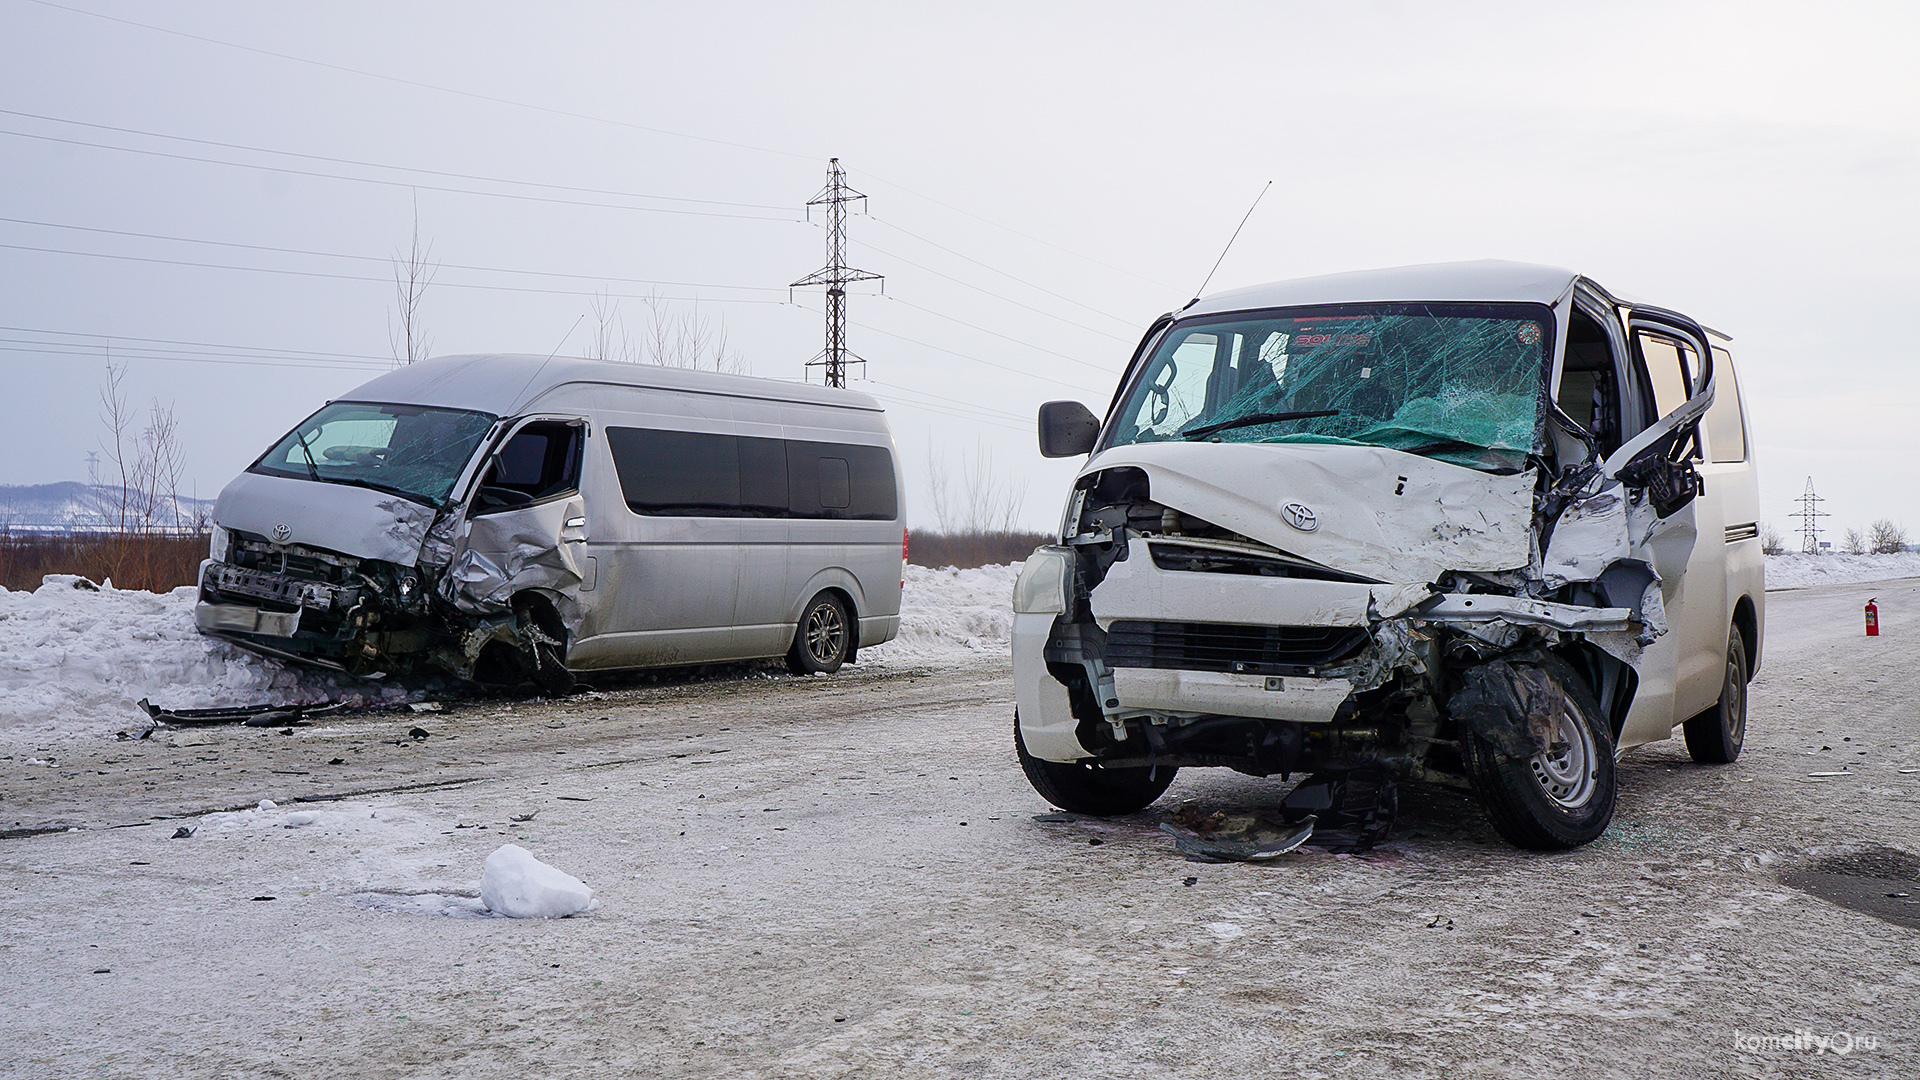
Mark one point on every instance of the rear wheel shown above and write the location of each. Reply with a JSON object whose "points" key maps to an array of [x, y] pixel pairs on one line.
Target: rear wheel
{"points": [[824, 638], [1561, 797], [1714, 737], [1086, 788]]}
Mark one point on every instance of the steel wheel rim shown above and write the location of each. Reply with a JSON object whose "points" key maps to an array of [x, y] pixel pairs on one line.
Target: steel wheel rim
{"points": [[1567, 778], [1733, 717], [826, 633]]}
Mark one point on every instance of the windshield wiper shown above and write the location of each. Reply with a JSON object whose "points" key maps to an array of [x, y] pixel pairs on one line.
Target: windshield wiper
{"points": [[313, 471], [1205, 430]]}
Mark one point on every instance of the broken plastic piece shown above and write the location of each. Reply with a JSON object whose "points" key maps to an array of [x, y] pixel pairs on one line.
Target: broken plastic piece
{"points": [[262, 715], [1259, 841]]}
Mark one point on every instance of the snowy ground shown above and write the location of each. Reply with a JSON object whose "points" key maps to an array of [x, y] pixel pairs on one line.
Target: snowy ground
{"points": [[1798, 571], [844, 877], [77, 659]]}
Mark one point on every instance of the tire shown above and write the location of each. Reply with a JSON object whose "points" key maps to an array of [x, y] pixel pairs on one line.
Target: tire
{"points": [[549, 640], [1550, 801], [823, 639], [1714, 737], [1089, 789]]}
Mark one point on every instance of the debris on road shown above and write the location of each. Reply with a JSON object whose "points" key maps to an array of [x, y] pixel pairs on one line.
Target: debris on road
{"points": [[519, 886], [261, 715], [1217, 837]]}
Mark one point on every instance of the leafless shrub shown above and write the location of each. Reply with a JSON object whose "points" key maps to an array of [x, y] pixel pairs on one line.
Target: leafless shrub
{"points": [[1772, 541], [969, 549], [413, 271], [983, 501], [1886, 538], [678, 338], [1854, 543], [140, 497], [157, 562]]}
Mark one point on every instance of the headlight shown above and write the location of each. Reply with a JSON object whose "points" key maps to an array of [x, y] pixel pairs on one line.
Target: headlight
{"points": [[217, 547], [1041, 588]]}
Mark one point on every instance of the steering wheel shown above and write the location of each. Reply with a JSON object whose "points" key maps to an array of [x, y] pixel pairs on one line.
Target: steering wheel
{"points": [[1161, 389]]}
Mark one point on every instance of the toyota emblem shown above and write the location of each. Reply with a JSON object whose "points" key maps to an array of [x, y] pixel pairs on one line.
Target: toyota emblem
{"points": [[1300, 516], [283, 532]]}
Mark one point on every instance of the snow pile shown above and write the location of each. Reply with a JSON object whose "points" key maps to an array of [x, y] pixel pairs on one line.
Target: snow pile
{"points": [[73, 655], [1798, 571], [953, 615], [519, 886], [344, 819]]}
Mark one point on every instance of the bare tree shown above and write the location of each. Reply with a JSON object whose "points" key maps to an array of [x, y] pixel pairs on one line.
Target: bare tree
{"points": [[1886, 538], [112, 502], [1772, 542], [1854, 543], [984, 502], [413, 271], [610, 338], [679, 338], [939, 493]]}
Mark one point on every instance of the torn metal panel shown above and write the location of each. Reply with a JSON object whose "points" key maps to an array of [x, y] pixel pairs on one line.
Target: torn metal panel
{"points": [[355, 521], [511, 551], [1134, 588], [1511, 703], [1483, 607]]}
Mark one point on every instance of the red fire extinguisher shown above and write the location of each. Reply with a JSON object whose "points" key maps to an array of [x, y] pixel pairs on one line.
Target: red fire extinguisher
{"points": [[1873, 618]]}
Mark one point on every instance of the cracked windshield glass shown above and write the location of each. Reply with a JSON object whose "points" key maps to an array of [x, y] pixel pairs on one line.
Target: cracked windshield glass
{"points": [[408, 450], [1463, 384]]}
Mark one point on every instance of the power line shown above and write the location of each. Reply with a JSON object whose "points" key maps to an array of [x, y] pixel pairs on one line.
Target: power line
{"points": [[378, 165], [52, 348], [1017, 232], [1005, 337], [975, 359], [393, 183], [990, 292], [197, 344], [379, 259], [1003, 273], [980, 411], [386, 281], [422, 85]]}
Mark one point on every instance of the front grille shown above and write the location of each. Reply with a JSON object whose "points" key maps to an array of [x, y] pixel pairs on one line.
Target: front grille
{"points": [[1254, 650]]}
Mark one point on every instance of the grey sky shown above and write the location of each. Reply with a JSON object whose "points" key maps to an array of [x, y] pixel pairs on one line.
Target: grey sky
{"points": [[1044, 180]]}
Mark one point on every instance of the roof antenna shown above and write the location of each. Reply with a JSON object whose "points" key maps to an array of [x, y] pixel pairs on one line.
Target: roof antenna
{"points": [[1229, 247], [548, 360]]}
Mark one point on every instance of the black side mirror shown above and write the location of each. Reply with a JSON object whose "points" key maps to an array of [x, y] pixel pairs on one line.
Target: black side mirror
{"points": [[1067, 429]]}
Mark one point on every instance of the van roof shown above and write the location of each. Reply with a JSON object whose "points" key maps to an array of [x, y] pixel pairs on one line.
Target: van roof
{"points": [[1485, 281], [504, 383]]}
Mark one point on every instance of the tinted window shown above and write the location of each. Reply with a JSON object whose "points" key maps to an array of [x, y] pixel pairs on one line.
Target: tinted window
{"points": [[696, 474], [1726, 433], [540, 461]]}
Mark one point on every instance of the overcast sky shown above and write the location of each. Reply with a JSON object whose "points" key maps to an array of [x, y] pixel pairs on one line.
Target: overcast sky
{"points": [[1043, 181]]}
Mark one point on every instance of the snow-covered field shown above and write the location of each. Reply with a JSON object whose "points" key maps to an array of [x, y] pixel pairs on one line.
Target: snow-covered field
{"points": [[75, 659]]}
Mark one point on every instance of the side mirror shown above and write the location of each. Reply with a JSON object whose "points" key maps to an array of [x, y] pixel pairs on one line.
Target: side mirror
{"points": [[1067, 429]]}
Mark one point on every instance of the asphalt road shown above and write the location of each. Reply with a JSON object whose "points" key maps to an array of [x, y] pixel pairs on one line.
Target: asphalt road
{"points": [[843, 877]]}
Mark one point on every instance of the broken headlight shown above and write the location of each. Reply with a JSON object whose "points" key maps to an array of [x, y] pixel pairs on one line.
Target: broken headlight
{"points": [[1041, 588]]}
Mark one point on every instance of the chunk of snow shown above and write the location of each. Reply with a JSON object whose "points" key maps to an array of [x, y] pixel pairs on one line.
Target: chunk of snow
{"points": [[519, 886], [952, 616]]}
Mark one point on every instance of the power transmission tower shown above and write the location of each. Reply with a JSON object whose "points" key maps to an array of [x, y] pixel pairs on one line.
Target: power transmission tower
{"points": [[1810, 515], [836, 275]]}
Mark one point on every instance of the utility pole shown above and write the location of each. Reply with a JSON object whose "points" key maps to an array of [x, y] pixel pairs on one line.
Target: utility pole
{"points": [[836, 275], [1810, 515]]}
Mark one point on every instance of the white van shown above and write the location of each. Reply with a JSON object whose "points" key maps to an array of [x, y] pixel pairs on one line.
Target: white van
{"points": [[526, 518], [1484, 524]]}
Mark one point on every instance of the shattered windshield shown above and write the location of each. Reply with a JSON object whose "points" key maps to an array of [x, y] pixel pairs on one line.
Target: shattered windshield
{"points": [[1461, 383], [409, 450]]}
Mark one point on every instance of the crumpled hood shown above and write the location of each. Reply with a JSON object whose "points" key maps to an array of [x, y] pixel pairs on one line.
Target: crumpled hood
{"points": [[350, 520], [1382, 514]]}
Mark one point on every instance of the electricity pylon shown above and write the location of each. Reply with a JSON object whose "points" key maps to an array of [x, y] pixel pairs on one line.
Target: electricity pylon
{"points": [[836, 275]]}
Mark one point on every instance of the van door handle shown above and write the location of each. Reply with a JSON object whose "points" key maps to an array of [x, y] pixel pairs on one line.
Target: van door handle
{"points": [[576, 523]]}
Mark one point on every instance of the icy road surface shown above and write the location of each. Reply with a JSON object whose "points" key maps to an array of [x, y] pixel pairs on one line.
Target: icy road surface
{"points": [[842, 877]]}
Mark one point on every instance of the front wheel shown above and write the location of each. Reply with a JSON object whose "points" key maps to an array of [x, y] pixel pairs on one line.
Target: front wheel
{"points": [[823, 639], [1085, 788], [1563, 796], [1714, 737]]}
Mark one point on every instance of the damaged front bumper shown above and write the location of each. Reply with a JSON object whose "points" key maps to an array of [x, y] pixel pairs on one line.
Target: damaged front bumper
{"points": [[1168, 665]]}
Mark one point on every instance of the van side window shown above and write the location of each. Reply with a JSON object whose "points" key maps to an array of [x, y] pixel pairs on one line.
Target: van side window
{"points": [[1726, 429], [542, 460], [1669, 365], [698, 474]]}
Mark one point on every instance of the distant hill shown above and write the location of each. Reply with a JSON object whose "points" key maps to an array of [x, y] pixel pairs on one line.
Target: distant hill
{"points": [[73, 506]]}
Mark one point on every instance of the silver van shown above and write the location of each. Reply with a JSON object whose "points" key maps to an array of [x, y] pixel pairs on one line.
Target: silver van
{"points": [[520, 518], [1482, 524]]}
